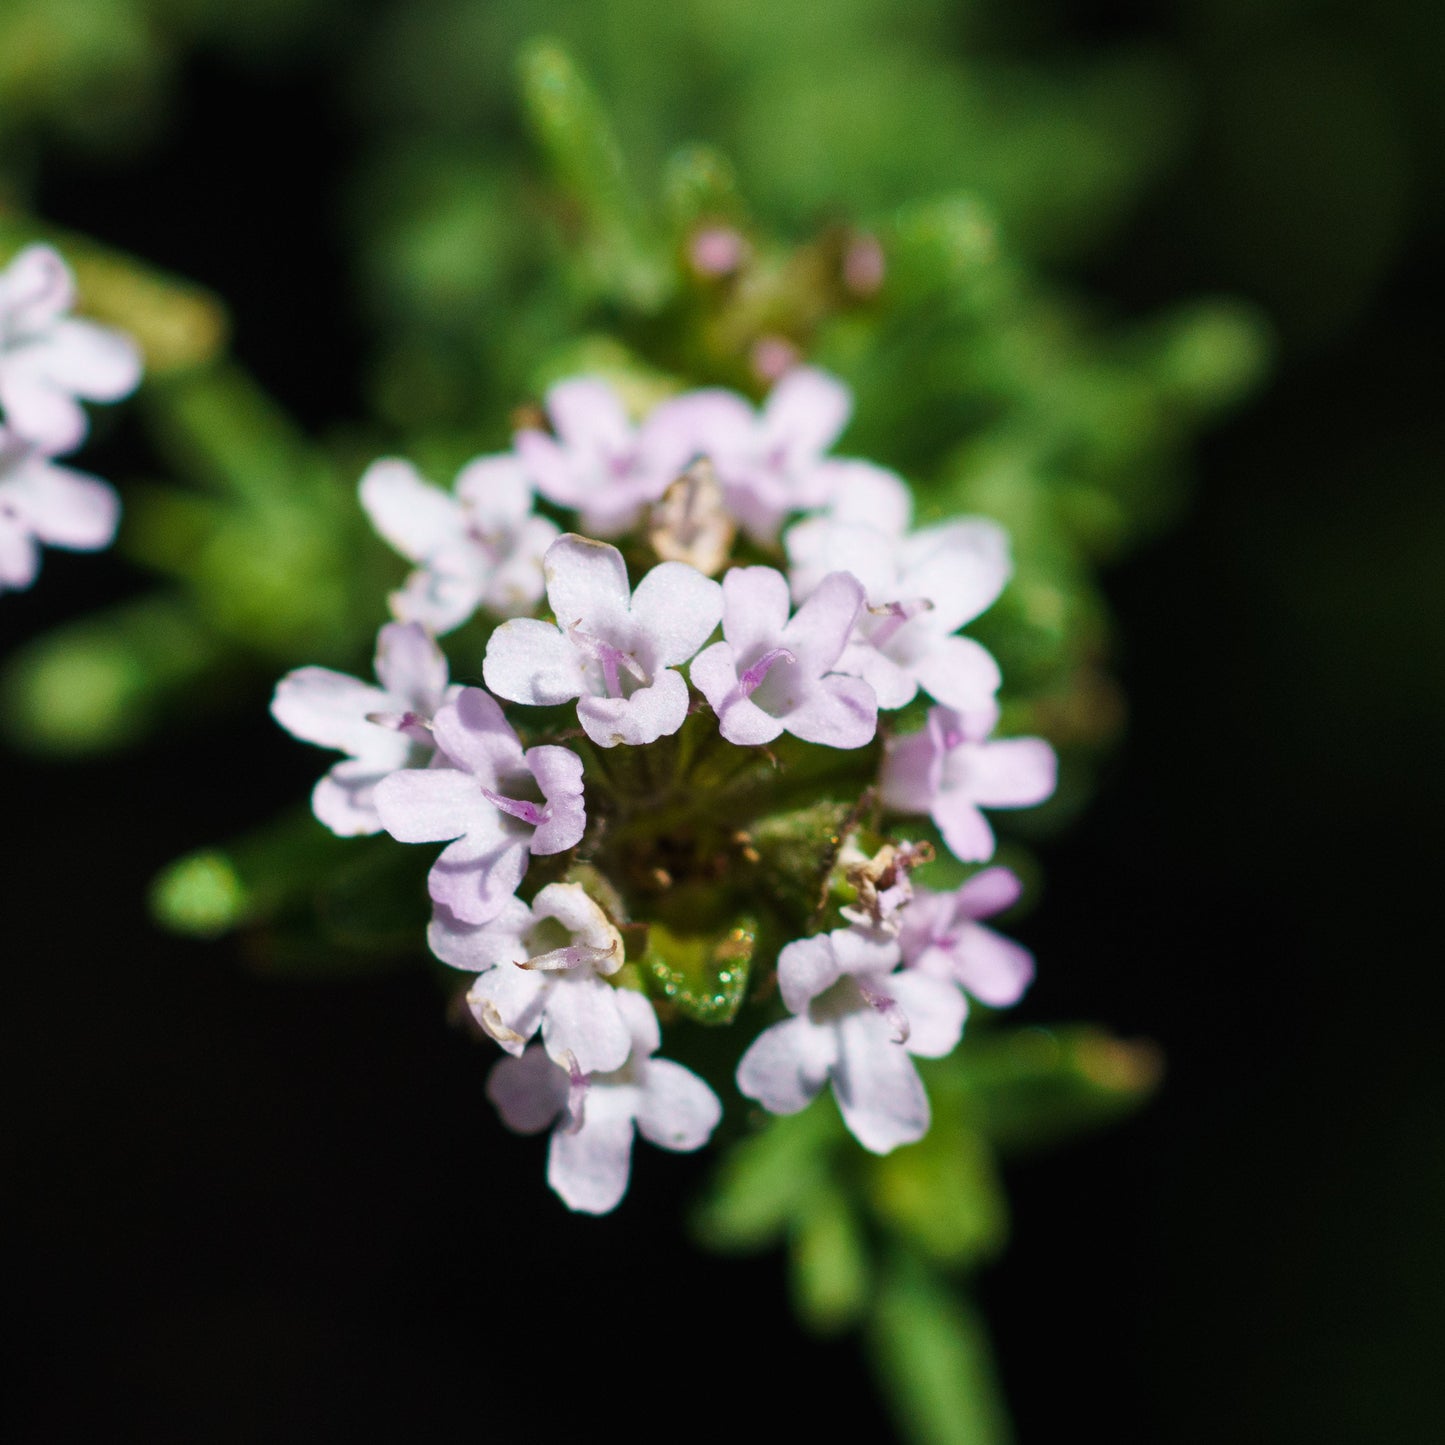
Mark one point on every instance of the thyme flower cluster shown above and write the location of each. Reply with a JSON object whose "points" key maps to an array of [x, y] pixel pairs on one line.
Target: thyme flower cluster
{"points": [[674, 798]]}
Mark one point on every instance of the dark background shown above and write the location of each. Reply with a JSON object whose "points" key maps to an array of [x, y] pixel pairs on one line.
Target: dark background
{"points": [[236, 1208]]}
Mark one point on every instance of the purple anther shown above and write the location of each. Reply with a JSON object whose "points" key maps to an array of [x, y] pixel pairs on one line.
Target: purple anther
{"points": [[529, 813], [752, 679], [887, 1006]]}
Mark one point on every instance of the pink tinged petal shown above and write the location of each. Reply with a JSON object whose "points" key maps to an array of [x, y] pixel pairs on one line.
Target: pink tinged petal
{"points": [[558, 772], [964, 828], [756, 604], [987, 893], [994, 969], [431, 805], [587, 415], [411, 667], [841, 713], [590, 1169], [495, 492], [474, 877], [331, 709], [820, 630], [740, 720], [805, 969], [529, 1092], [509, 1003], [959, 673], [677, 1110], [549, 468], [581, 1016], [439, 601], [345, 799], [863, 950], [877, 1086], [677, 608], [641, 1020], [960, 566], [935, 1010], [648, 714], [1013, 773], [822, 545], [473, 733], [704, 422], [787, 1064], [806, 411], [65, 508], [465, 945], [584, 919], [88, 360], [912, 767], [417, 518], [586, 582], [866, 495], [38, 410], [532, 662], [893, 686]]}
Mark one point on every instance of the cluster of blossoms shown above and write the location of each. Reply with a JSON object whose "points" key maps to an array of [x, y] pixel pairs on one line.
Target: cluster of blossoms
{"points": [[861, 614], [49, 362]]}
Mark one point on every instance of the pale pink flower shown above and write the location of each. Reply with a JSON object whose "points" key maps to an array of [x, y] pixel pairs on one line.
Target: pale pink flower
{"points": [[48, 358], [589, 1161], [941, 936], [856, 1022], [380, 729], [773, 673], [952, 769], [613, 649], [498, 802], [480, 547]]}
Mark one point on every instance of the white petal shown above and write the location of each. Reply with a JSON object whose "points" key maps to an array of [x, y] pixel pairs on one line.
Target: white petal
{"points": [[582, 1018], [586, 583], [787, 1064], [877, 1086], [495, 491], [678, 608], [806, 411], [330, 709], [677, 1110], [417, 518], [430, 805], [87, 360], [994, 969], [650, 713], [465, 945], [590, 1169], [935, 1011], [805, 968], [411, 667], [529, 1092], [841, 713], [756, 604], [960, 673], [530, 661], [345, 799], [1013, 773]]}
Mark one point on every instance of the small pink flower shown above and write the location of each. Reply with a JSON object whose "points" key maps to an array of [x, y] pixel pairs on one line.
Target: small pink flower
{"points": [[380, 729], [856, 1021], [48, 359], [501, 804], [951, 770], [773, 673], [613, 649], [589, 1161]]}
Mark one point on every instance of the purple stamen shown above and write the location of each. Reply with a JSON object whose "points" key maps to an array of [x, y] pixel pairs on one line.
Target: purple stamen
{"points": [[517, 807], [577, 1086], [611, 660], [752, 679], [896, 613], [574, 955], [888, 1007], [413, 724]]}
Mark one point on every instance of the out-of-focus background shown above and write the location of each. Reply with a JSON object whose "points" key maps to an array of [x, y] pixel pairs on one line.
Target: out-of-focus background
{"points": [[236, 1206]]}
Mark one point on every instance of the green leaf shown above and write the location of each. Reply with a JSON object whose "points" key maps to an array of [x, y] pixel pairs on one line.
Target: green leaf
{"points": [[931, 1351], [828, 1264], [767, 1180]]}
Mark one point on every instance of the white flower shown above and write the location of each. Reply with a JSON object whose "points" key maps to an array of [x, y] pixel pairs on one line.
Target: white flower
{"points": [[481, 547], [589, 1160], [855, 1023], [380, 729], [613, 649], [544, 966], [48, 359]]}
